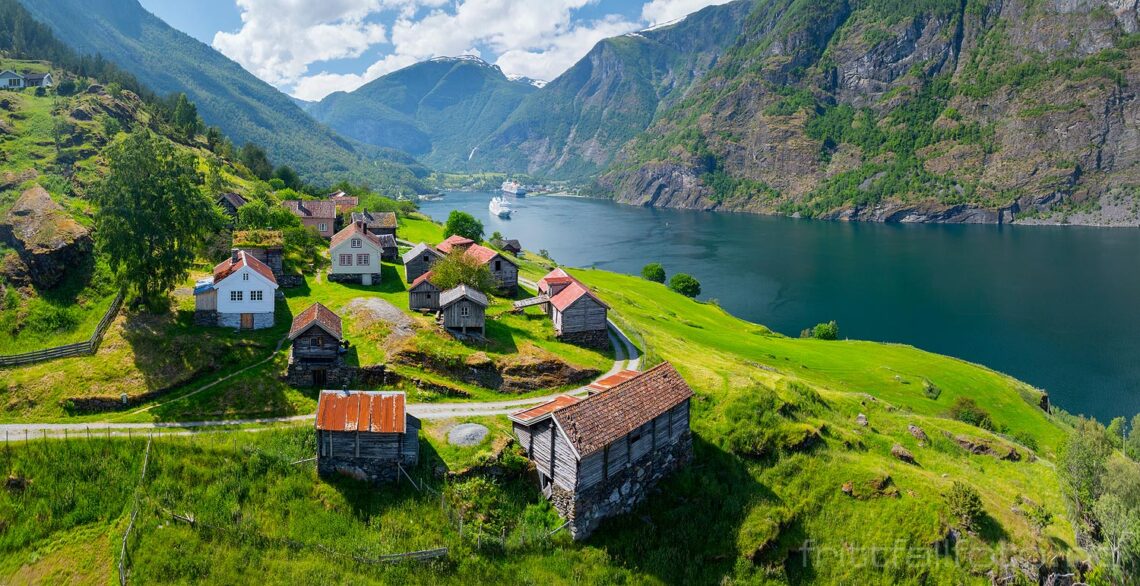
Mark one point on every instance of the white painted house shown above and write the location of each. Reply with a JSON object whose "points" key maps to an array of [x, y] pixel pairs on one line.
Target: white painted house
{"points": [[11, 80], [239, 295], [355, 254]]}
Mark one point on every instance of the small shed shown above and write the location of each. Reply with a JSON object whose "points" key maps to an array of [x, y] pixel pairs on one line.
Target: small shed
{"points": [[602, 455], [316, 355], [367, 435], [390, 251], [231, 203], [511, 245], [418, 261], [463, 310], [579, 316], [503, 269], [424, 295], [378, 222]]}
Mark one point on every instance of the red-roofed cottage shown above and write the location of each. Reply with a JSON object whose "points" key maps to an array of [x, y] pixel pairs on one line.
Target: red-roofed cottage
{"points": [[579, 316], [319, 215], [600, 456], [503, 269], [240, 294], [316, 355], [423, 294], [366, 435]]}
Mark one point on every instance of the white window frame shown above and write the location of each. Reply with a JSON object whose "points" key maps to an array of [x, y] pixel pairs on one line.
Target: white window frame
{"points": [[256, 295], [245, 276], [345, 256], [363, 259], [322, 227], [235, 296], [357, 243]]}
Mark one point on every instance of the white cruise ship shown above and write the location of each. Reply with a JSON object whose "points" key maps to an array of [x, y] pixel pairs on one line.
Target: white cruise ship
{"points": [[513, 187], [500, 207]]}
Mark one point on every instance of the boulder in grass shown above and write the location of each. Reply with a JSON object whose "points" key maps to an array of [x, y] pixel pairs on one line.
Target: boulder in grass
{"points": [[861, 420], [47, 238], [902, 454], [917, 432]]}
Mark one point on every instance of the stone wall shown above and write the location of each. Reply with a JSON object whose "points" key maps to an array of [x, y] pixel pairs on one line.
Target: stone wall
{"points": [[586, 509], [233, 320], [338, 375], [351, 278], [591, 339], [206, 318], [366, 469]]}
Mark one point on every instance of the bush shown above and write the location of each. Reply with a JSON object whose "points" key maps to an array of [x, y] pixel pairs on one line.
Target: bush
{"points": [[1025, 439], [685, 285], [930, 389], [965, 505], [463, 224], [826, 331], [653, 272], [966, 410]]}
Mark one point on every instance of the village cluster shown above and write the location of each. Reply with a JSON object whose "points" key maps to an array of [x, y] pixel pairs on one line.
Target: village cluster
{"points": [[594, 456]]}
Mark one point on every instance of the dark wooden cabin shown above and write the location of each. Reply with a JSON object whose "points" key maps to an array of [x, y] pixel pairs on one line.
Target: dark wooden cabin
{"points": [[463, 310], [579, 316], [316, 357], [503, 269], [418, 261], [378, 223], [366, 435], [231, 203], [602, 455], [423, 295]]}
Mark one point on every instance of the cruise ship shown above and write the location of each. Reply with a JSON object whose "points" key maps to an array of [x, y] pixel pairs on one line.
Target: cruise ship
{"points": [[500, 207], [513, 187]]}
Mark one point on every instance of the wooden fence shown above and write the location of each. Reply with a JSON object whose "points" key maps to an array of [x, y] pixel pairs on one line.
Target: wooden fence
{"points": [[78, 349]]}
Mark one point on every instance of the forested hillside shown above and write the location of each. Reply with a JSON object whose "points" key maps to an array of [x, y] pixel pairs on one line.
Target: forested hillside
{"points": [[940, 110]]}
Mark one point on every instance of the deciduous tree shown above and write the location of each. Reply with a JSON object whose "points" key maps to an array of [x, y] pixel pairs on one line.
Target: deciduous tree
{"points": [[685, 285], [461, 268], [463, 224], [653, 272]]}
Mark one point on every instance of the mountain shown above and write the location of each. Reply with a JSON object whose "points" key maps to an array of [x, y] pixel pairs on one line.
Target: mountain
{"points": [[934, 111], [244, 107], [573, 127], [438, 110]]}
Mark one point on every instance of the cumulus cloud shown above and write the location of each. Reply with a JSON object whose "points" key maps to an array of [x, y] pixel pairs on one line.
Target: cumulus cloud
{"points": [[285, 41]]}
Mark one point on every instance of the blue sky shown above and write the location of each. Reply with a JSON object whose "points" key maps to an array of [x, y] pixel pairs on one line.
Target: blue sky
{"points": [[312, 48]]}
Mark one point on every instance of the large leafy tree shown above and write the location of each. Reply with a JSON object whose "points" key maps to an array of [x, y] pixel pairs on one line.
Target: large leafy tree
{"points": [[463, 224], [461, 268], [152, 216]]}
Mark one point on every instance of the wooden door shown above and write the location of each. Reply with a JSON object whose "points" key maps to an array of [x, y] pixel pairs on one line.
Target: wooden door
{"points": [[319, 378], [247, 321]]}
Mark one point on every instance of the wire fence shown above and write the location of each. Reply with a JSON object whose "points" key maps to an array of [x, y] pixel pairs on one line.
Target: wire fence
{"points": [[86, 348]]}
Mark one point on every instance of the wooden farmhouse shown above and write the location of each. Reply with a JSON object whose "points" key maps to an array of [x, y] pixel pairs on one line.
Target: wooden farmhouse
{"points": [[316, 355], [423, 294], [318, 215], [17, 81], [503, 269], [239, 295], [365, 435], [600, 456], [418, 261], [378, 223], [231, 203], [355, 254], [579, 316], [463, 310]]}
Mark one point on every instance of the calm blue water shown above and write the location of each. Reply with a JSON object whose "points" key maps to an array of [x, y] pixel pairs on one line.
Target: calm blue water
{"points": [[1054, 306]]}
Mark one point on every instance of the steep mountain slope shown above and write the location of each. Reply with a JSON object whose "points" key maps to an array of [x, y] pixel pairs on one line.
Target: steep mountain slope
{"points": [[244, 107], [940, 110], [438, 110], [573, 127]]}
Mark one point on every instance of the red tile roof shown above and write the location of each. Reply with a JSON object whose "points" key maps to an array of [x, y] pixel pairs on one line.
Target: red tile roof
{"points": [[368, 411], [230, 266], [311, 209], [422, 278], [354, 229], [345, 201], [573, 292], [557, 275], [597, 421], [316, 314], [484, 254], [453, 241], [534, 413], [612, 380]]}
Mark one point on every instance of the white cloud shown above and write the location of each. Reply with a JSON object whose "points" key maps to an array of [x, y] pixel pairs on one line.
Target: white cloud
{"points": [[280, 40], [661, 11]]}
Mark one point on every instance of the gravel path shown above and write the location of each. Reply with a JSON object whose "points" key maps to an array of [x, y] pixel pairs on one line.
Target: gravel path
{"points": [[377, 308]]}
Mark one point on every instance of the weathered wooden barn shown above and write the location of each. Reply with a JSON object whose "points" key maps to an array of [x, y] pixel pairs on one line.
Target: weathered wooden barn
{"points": [[503, 269], [600, 456], [580, 317], [423, 295], [367, 435], [463, 310], [231, 203], [552, 284], [418, 261], [317, 347]]}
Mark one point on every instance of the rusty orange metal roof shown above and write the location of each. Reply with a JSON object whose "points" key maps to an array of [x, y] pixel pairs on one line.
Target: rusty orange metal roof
{"points": [[367, 411], [529, 415], [611, 381]]}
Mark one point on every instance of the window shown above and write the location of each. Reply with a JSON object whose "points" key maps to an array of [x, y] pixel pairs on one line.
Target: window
{"points": [[316, 342], [256, 295], [346, 260], [245, 276], [464, 311], [356, 243], [362, 260], [498, 265], [14, 82], [235, 295], [427, 257], [323, 227]]}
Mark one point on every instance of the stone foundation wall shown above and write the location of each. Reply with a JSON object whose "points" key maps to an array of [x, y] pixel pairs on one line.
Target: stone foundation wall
{"points": [[290, 281], [375, 471], [233, 320], [206, 318], [338, 375], [586, 509], [591, 339], [354, 279]]}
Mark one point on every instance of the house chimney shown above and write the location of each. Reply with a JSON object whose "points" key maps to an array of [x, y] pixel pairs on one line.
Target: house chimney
{"points": [[234, 254]]}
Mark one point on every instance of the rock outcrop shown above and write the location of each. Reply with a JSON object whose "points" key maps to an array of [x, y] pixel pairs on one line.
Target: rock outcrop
{"points": [[49, 241]]}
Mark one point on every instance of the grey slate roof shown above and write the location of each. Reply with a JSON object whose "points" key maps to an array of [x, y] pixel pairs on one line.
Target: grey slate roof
{"points": [[418, 250], [452, 295]]}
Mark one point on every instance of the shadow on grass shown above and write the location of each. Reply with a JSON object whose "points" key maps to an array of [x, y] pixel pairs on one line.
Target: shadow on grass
{"points": [[687, 532], [368, 500]]}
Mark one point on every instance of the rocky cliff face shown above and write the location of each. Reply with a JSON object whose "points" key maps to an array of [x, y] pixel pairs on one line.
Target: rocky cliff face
{"points": [[980, 111], [47, 239]]}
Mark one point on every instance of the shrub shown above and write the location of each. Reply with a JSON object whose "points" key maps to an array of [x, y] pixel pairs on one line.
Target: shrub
{"points": [[826, 331], [1025, 439], [463, 224], [965, 505], [966, 410], [685, 285], [930, 389], [653, 272]]}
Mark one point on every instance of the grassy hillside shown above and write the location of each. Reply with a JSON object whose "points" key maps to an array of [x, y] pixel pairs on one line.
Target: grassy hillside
{"points": [[244, 107]]}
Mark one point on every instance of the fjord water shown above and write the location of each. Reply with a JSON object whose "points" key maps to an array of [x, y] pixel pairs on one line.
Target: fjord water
{"points": [[1053, 306]]}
